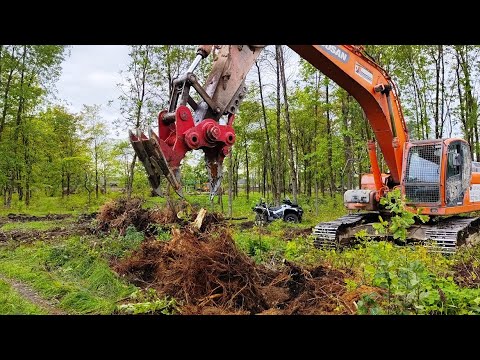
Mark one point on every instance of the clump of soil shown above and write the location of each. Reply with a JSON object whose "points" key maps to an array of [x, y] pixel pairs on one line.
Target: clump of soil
{"points": [[199, 270], [293, 233], [467, 274], [246, 225], [121, 213], [81, 227]]}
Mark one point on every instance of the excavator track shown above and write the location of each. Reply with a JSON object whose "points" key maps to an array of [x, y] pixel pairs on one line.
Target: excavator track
{"points": [[450, 233], [328, 235], [443, 236]]}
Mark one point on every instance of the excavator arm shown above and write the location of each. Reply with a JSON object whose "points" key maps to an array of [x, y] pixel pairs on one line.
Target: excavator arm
{"points": [[181, 131]]}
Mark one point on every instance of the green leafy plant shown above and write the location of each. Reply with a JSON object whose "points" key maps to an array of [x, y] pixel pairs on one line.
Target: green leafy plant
{"points": [[401, 218], [148, 302]]}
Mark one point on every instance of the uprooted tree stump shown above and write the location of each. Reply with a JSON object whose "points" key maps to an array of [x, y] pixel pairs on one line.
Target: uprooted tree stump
{"points": [[121, 213], [208, 274], [204, 270]]}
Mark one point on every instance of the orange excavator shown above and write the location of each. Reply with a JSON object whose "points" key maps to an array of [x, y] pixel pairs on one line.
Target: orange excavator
{"points": [[436, 176]]}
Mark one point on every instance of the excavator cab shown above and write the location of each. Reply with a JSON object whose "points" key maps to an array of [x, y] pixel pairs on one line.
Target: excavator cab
{"points": [[437, 173]]}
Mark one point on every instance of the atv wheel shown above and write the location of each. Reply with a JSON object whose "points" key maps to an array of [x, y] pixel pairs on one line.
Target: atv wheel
{"points": [[260, 219], [291, 218]]}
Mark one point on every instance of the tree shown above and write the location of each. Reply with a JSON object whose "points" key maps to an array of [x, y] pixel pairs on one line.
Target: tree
{"points": [[293, 170], [95, 132]]}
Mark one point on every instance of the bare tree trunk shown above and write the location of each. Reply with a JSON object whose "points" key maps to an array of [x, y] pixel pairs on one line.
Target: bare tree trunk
{"points": [[293, 171], [16, 171], [247, 170], [96, 170], [130, 176], [347, 141], [6, 97], [235, 185], [278, 167], [329, 140], [104, 172], [68, 183], [442, 102], [220, 198], [28, 169], [437, 60], [268, 144]]}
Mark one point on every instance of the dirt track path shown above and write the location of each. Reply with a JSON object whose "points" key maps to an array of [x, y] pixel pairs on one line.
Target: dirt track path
{"points": [[31, 295]]}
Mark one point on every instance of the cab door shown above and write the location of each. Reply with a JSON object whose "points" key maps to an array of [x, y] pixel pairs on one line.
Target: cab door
{"points": [[458, 172]]}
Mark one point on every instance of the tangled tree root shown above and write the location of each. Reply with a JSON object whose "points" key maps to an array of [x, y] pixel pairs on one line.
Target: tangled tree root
{"points": [[209, 275], [203, 269]]}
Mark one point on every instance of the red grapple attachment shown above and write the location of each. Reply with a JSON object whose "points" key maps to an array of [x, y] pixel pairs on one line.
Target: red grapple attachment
{"points": [[177, 135]]}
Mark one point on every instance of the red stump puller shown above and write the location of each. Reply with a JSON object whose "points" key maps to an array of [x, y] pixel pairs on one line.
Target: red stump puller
{"points": [[177, 136]]}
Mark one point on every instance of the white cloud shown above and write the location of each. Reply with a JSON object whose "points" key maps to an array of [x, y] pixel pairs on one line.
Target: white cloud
{"points": [[90, 76]]}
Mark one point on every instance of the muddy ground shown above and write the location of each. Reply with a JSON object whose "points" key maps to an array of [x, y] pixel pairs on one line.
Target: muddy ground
{"points": [[82, 225]]}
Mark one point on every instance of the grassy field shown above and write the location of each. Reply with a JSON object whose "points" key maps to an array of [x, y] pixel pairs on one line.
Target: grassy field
{"points": [[74, 272], [11, 303], [69, 272]]}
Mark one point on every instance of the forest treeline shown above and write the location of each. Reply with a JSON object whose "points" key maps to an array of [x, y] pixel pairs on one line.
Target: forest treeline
{"points": [[297, 131]]}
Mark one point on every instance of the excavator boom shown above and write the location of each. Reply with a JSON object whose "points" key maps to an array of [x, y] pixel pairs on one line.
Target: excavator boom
{"points": [[180, 131], [436, 176]]}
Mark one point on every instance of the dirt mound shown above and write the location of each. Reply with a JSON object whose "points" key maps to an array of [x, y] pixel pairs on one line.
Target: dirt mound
{"points": [[246, 225], [199, 270], [121, 213], [209, 275], [202, 268], [291, 234], [467, 274]]}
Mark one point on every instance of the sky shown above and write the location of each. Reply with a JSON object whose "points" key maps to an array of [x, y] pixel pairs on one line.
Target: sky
{"points": [[90, 76]]}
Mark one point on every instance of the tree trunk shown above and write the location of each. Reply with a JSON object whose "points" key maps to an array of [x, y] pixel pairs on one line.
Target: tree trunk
{"points": [[278, 167], [329, 140], [347, 141], [96, 170], [235, 173], [5, 102], [293, 171], [437, 60], [68, 183], [104, 181], [247, 170], [130, 176], [268, 144]]}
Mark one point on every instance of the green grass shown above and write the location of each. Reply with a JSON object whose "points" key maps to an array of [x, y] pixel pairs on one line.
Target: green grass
{"points": [[43, 225], [11, 303], [72, 272], [74, 204], [328, 208]]}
